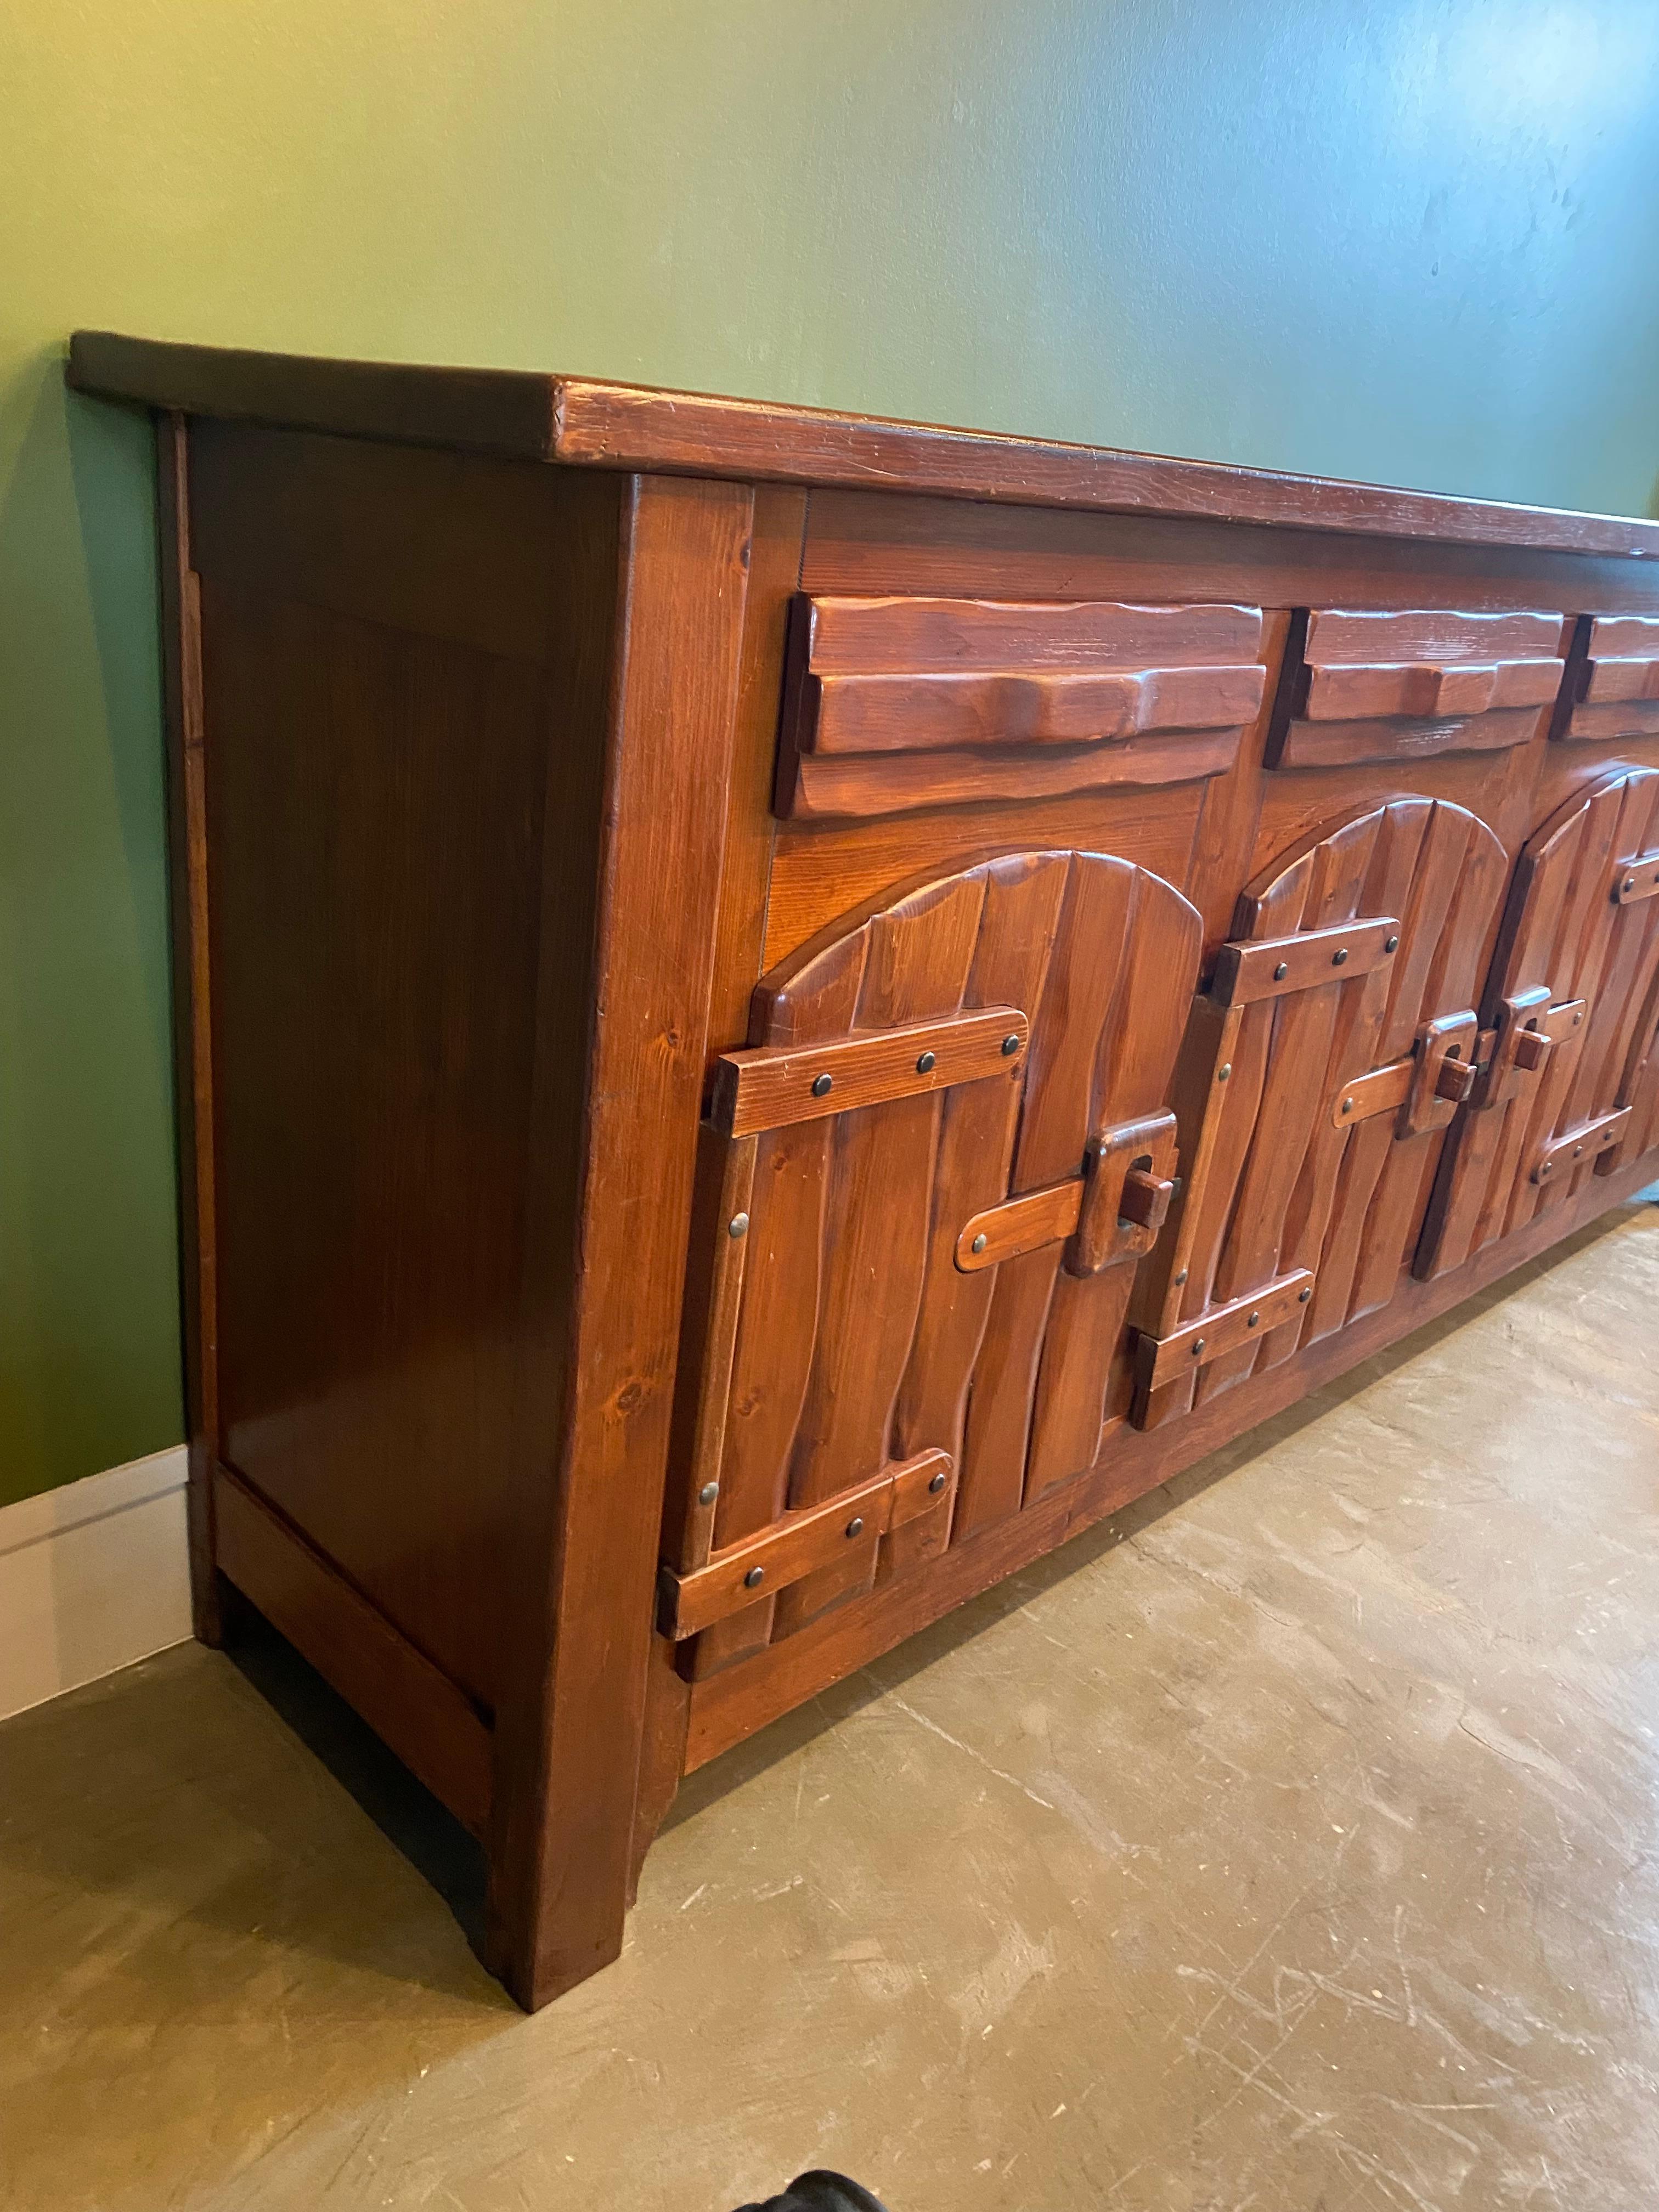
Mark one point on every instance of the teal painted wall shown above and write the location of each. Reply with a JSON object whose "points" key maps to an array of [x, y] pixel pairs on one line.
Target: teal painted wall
{"points": [[1415, 240]]}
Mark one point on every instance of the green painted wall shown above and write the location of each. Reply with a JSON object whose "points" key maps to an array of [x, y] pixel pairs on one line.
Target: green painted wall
{"points": [[1416, 239]]}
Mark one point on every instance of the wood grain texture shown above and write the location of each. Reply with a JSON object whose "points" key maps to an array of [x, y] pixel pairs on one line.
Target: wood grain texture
{"points": [[874, 544], [823, 870], [372, 808], [542, 418]]}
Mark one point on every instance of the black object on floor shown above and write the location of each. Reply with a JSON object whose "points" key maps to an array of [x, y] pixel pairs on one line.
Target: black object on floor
{"points": [[819, 2191]]}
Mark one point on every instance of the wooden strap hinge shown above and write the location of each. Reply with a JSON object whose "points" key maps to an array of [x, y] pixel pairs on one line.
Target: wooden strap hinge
{"points": [[1591, 1140], [1249, 969], [812, 1536], [769, 1086], [1160, 1360]]}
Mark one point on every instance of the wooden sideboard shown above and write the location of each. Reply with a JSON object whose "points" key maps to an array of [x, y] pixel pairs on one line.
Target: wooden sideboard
{"points": [[776, 1012]]}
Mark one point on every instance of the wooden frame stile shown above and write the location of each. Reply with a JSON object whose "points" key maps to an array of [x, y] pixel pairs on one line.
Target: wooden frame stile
{"points": [[181, 665], [571, 1732], [777, 536]]}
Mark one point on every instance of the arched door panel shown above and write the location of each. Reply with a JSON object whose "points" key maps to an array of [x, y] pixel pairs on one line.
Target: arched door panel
{"points": [[1566, 1087], [1322, 1068], [929, 1180]]}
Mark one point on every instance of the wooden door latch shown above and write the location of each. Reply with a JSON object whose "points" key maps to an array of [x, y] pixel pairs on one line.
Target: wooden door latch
{"points": [[1528, 1030], [1112, 1212], [1427, 1086]]}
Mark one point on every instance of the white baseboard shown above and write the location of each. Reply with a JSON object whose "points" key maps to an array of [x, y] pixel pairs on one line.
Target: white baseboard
{"points": [[92, 1577]]}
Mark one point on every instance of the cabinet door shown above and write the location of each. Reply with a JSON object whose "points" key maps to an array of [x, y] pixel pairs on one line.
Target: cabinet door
{"points": [[1321, 1071], [1565, 1089], [929, 1181]]}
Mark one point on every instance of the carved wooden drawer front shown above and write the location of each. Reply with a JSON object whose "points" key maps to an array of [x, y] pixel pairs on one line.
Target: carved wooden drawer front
{"points": [[1319, 1071], [1361, 686], [1570, 1070], [1615, 686], [965, 1152], [896, 703]]}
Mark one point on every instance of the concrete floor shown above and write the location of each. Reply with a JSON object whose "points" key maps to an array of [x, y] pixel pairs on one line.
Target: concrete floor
{"points": [[1292, 1843]]}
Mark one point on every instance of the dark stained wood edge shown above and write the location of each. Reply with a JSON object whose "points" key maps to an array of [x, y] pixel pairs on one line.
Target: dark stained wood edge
{"points": [[536, 417], [412, 1705], [181, 665], [573, 1750], [732, 1706], [504, 412]]}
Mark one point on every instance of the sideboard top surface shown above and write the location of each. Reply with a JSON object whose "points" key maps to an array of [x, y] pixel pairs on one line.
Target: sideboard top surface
{"points": [[527, 415]]}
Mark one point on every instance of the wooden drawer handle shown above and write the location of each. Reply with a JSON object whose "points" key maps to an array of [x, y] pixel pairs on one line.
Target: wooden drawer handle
{"points": [[1427, 691]]}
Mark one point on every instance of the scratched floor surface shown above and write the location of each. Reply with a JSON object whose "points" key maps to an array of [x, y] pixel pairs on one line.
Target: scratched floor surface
{"points": [[1291, 1844]]}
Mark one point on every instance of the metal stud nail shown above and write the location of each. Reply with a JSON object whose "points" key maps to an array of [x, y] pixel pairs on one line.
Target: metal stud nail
{"points": [[1198, 1345], [754, 1578], [1251, 1320], [1010, 1047], [979, 1243], [709, 1493], [1391, 944], [737, 1226], [937, 1483], [1281, 971], [1347, 1105], [1577, 1151], [1630, 883], [1180, 1279], [1224, 1071], [1339, 955], [1305, 1294], [1579, 1016], [925, 1065], [855, 1526], [821, 1085]]}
